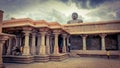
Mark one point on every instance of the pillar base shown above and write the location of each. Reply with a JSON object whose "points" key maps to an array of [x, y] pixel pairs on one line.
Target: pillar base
{"points": [[58, 57], [18, 59], [2, 66], [41, 58]]}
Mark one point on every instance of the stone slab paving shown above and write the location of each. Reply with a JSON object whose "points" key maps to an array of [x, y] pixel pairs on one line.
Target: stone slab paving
{"points": [[71, 63]]}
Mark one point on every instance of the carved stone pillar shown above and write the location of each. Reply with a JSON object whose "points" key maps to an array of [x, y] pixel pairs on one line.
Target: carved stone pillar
{"points": [[48, 44], [38, 44], [68, 43], [51, 44], [18, 41], [33, 47], [26, 50], [103, 40], [56, 48], [64, 43], [42, 56], [84, 41], [2, 41], [9, 47], [42, 46], [1, 49]]}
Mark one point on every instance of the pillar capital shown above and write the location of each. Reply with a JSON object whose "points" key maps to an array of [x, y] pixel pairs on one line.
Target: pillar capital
{"points": [[2, 41], [83, 35], [33, 33], [3, 38], [56, 31], [103, 35], [64, 35], [27, 33]]}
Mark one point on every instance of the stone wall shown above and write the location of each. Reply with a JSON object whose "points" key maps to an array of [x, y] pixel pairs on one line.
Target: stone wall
{"points": [[111, 42], [93, 43], [76, 42], [119, 41]]}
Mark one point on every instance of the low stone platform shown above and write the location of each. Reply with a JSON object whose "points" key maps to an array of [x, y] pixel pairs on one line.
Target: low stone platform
{"points": [[36, 58], [41, 58], [95, 53], [58, 57], [18, 59]]}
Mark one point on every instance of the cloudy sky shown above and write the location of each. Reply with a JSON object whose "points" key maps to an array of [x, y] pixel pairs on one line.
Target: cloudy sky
{"points": [[61, 10]]}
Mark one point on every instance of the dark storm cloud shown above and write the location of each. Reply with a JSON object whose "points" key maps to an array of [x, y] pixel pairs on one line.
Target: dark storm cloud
{"points": [[60, 10]]}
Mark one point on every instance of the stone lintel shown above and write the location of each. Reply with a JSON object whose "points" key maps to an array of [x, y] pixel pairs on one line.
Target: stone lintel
{"points": [[27, 28], [43, 29]]}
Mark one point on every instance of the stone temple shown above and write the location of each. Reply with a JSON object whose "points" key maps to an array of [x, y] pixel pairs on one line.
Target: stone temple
{"points": [[25, 40]]}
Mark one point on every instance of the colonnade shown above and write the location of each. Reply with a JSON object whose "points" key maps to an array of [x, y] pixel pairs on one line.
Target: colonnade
{"points": [[102, 41], [40, 42]]}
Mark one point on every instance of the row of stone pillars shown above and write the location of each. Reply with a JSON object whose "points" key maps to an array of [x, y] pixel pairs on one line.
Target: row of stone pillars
{"points": [[42, 48], [102, 41]]}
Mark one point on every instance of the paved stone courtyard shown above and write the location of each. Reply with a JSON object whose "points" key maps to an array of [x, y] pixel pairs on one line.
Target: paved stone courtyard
{"points": [[71, 63]]}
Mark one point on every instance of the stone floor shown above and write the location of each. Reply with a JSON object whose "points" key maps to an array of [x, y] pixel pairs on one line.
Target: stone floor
{"points": [[71, 63]]}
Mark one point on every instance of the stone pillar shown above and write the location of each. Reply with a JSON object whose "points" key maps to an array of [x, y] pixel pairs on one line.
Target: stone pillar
{"points": [[2, 41], [84, 41], [38, 44], [9, 47], [1, 49], [42, 46], [56, 48], [18, 41], [26, 44], [103, 41], [64, 43], [51, 44], [48, 44], [33, 47], [68, 43]]}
